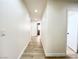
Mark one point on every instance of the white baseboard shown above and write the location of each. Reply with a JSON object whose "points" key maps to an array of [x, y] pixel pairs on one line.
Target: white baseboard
{"points": [[23, 50], [55, 54]]}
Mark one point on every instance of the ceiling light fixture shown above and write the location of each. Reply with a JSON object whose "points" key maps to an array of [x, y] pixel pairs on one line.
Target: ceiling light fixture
{"points": [[35, 10]]}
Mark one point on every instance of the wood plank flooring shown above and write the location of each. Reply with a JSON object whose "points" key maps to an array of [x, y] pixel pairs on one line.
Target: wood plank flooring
{"points": [[35, 51]]}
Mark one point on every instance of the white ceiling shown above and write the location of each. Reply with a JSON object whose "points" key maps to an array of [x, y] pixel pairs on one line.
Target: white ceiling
{"points": [[39, 5], [33, 5]]}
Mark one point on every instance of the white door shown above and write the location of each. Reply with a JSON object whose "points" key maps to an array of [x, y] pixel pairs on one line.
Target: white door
{"points": [[72, 29]]}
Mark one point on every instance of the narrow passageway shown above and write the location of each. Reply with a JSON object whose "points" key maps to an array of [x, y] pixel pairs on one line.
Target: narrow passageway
{"points": [[35, 51]]}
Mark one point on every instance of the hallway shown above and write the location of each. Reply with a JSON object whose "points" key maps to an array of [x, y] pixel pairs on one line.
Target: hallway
{"points": [[35, 51], [16, 18]]}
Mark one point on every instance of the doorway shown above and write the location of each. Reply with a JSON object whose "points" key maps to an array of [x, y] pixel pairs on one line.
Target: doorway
{"points": [[36, 28], [72, 30]]}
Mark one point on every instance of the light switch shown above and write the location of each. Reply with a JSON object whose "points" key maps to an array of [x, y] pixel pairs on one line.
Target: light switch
{"points": [[2, 34]]}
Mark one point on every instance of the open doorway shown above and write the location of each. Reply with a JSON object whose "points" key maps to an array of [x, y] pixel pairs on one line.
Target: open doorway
{"points": [[72, 31], [36, 28], [36, 31]]}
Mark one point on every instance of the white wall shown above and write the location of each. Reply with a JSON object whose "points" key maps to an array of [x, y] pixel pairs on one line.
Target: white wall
{"points": [[15, 24], [54, 27]]}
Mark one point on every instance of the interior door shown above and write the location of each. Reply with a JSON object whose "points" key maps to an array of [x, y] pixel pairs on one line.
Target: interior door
{"points": [[72, 39]]}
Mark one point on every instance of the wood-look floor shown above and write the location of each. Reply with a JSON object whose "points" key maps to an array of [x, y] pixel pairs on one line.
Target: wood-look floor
{"points": [[35, 51]]}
